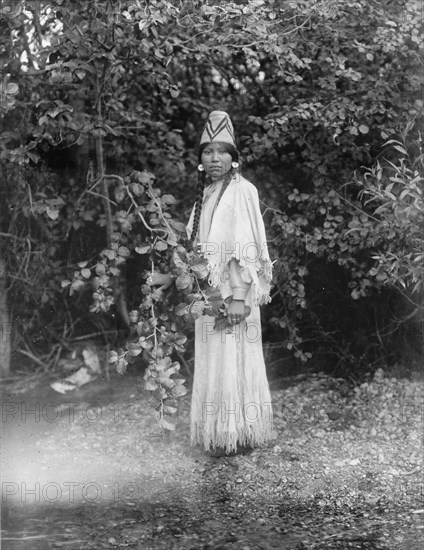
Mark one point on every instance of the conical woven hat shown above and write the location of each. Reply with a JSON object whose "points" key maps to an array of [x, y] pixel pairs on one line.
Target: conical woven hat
{"points": [[218, 127]]}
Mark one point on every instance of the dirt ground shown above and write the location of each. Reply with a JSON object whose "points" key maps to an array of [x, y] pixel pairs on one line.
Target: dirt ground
{"points": [[91, 470]]}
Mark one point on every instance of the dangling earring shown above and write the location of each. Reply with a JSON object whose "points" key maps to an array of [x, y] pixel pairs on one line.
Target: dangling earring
{"points": [[200, 167], [235, 164]]}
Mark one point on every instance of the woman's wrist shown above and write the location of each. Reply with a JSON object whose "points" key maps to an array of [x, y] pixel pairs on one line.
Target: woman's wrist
{"points": [[239, 293]]}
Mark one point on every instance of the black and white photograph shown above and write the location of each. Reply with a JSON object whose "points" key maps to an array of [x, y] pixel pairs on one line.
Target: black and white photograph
{"points": [[211, 274]]}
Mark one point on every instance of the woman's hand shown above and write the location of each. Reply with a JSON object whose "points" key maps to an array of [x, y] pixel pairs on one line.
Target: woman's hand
{"points": [[236, 312], [162, 279]]}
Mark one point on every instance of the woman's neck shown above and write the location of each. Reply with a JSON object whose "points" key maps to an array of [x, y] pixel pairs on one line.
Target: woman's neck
{"points": [[220, 178]]}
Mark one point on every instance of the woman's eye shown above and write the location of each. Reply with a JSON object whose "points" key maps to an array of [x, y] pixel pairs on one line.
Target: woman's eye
{"points": [[219, 151]]}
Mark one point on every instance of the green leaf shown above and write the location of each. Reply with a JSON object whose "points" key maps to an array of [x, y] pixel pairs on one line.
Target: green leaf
{"points": [[179, 339], [34, 157], [113, 357], [145, 177], [166, 425], [196, 309], [151, 206], [178, 391], [178, 260], [178, 226], [200, 270], [86, 273], [80, 74], [175, 92], [133, 316], [110, 254], [173, 370], [52, 213], [163, 364], [143, 248], [134, 349], [122, 366], [400, 149], [183, 281], [124, 251], [171, 240], [150, 385], [161, 246], [137, 189], [214, 298], [165, 381], [76, 285], [168, 199], [100, 269], [157, 353], [181, 309], [167, 409]]}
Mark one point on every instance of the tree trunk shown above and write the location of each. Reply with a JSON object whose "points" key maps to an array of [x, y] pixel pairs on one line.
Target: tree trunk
{"points": [[5, 324]]}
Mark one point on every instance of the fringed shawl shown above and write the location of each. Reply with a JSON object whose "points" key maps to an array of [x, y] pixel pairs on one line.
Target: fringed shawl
{"points": [[237, 231]]}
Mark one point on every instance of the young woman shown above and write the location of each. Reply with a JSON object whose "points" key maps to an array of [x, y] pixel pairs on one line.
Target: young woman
{"points": [[231, 403]]}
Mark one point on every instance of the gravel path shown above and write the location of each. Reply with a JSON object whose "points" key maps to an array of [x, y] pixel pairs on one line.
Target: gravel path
{"points": [[91, 471]]}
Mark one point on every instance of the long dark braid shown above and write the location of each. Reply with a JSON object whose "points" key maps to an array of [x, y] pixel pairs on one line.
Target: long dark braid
{"points": [[201, 180]]}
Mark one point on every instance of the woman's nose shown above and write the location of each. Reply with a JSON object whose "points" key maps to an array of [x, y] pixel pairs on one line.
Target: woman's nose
{"points": [[215, 156]]}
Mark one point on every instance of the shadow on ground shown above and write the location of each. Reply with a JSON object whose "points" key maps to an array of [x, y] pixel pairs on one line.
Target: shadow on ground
{"points": [[91, 470]]}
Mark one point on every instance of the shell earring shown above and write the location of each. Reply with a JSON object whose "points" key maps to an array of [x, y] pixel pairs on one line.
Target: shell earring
{"points": [[235, 164], [200, 167]]}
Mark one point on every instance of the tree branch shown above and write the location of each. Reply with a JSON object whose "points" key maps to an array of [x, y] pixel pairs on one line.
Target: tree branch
{"points": [[146, 225], [160, 210], [26, 45]]}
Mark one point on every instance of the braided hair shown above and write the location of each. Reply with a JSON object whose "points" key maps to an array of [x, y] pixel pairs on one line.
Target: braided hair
{"points": [[201, 182]]}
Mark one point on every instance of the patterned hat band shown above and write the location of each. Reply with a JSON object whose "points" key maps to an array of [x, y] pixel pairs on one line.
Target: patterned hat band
{"points": [[218, 127]]}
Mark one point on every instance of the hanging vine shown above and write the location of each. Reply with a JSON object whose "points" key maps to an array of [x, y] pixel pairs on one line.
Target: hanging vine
{"points": [[143, 224]]}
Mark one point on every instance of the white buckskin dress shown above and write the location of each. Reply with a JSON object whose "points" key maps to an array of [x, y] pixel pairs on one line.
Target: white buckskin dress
{"points": [[231, 401]]}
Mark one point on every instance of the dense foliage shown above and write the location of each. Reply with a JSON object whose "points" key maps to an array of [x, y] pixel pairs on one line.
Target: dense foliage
{"points": [[95, 96]]}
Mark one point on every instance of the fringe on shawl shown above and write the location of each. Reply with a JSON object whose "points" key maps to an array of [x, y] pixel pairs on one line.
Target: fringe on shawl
{"points": [[259, 271]]}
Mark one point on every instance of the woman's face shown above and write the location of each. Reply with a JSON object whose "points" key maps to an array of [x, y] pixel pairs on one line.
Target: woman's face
{"points": [[216, 160]]}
